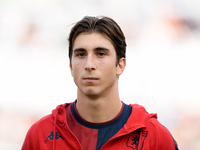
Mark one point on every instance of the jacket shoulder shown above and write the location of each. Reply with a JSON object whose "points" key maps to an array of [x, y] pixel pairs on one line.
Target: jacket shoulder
{"points": [[160, 134], [37, 132], [139, 115], [45, 121]]}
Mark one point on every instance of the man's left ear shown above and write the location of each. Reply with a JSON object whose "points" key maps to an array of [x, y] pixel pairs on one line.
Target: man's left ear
{"points": [[121, 66]]}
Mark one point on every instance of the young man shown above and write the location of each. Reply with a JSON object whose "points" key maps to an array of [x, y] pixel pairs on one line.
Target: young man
{"points": [[98, 119]]}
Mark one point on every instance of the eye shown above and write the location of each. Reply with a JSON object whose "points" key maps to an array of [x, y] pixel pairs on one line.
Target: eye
{"points": [[80, 54], [101, 54]]}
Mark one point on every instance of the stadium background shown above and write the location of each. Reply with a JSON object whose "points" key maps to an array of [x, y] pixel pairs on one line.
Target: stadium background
{"points": [[163, 61]]}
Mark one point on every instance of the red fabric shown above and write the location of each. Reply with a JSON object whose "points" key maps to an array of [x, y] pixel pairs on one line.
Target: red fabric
{"points": [[141, 132], [86, 136]]}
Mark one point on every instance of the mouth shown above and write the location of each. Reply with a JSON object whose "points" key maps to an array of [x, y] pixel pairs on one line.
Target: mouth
{"points": [[90, 79]]}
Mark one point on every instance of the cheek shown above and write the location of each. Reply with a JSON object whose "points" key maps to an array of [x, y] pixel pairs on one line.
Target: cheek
{"points": [[76, 71], [74, 66], [109, 68], [75, 76]]}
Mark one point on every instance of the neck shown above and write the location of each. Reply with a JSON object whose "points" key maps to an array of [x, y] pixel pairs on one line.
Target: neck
{"points": [[98, 109]]}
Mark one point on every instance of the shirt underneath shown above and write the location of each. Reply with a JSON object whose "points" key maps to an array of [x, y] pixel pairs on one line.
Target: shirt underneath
{"points": [[94, 135]]}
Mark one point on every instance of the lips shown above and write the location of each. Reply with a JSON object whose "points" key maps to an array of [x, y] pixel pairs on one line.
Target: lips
{"points": [[90, 79]]}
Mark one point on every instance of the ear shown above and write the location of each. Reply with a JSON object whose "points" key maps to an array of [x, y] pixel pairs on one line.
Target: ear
{"points": [[121, 66], [70, 66]]}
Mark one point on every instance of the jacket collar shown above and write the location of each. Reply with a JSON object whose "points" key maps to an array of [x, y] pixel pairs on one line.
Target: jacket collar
{"points": [[138, 118]]}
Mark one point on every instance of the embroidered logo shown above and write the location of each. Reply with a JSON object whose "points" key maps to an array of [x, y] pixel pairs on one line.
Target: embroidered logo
{"points": [[133, 139], [51, 136]]}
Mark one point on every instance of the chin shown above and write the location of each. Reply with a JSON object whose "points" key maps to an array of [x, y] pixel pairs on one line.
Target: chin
{"points": [[92, 94]]}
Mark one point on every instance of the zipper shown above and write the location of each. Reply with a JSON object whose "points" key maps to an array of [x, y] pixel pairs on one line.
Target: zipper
{"points": [[79, 144], [77, 141]]}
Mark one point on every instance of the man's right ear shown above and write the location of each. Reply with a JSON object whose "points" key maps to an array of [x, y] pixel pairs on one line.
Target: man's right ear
{"points": [[70, 66]]}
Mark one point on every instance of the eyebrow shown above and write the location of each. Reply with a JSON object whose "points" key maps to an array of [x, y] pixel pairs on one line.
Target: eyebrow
{"points": [[101, 48], [95, 49], [79, 50]]}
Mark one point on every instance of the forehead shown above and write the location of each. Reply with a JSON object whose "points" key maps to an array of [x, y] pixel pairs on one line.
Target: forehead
{"points": [[92, 40]]}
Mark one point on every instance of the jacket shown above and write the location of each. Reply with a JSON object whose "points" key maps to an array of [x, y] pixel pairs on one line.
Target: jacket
{"points": [[142, 131]]}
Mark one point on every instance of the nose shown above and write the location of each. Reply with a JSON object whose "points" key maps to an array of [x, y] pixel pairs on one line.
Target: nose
{"points": [[90, 64]]}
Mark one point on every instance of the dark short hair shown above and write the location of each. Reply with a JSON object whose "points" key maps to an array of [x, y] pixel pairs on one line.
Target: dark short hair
{"points": [[103, 25]]}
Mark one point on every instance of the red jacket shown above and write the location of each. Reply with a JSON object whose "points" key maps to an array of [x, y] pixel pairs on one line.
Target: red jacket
{"points": [[141, 132]]}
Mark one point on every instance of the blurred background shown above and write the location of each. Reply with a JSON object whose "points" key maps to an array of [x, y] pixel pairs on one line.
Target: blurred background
{"points": [[163, 61]]}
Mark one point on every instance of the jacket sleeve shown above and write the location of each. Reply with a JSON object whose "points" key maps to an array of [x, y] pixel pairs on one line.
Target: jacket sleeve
{"points": [[160, 136]]}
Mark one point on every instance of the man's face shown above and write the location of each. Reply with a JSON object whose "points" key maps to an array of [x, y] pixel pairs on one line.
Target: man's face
{"points": [[93, 64]]}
